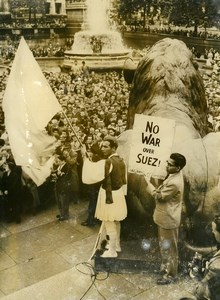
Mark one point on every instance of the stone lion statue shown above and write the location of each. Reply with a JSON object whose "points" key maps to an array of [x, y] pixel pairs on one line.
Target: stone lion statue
{"points": [[167, 83]]}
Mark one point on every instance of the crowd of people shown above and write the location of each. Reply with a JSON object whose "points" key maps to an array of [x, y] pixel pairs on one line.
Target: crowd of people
{"points": [[52, 48], [94, 112], [57, 23], [173, 30], [94, 106], [211, 79], [7, 51]]}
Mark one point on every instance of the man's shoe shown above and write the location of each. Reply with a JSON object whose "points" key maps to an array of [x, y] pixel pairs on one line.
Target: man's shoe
{"points": [[109, 253], [87, 223], [165, 280]]}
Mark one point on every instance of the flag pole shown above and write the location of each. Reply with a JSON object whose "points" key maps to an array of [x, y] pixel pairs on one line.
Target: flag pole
{"points": [[71, 126]]}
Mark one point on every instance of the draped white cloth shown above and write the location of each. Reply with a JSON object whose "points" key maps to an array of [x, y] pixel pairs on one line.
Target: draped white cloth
{"points": [[93, 172], [29, 104]]}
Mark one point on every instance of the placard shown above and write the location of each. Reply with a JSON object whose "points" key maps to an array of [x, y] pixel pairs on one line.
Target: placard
{"points": [[151, 146]]}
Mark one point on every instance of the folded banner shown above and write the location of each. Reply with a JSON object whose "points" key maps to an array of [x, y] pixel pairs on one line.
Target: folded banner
{"points": [[93, 172], [152, 141], [29, 104]]}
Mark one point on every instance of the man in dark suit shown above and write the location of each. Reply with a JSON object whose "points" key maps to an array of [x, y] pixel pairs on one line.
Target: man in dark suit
{"points": [[167, 215]]}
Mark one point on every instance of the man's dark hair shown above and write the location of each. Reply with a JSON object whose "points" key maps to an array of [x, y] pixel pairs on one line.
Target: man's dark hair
{"points": [[180, 160], [112, 141], [96, 151]]}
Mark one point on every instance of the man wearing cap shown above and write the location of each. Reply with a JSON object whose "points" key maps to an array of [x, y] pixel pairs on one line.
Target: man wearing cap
{"points": [[111, 205]]}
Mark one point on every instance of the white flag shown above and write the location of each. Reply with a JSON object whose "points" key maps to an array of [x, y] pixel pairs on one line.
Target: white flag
{"points": [[29, 104]]}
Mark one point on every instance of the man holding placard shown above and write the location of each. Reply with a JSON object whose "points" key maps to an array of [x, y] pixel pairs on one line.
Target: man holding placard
{"points": [[151, 146], [167, 215]]}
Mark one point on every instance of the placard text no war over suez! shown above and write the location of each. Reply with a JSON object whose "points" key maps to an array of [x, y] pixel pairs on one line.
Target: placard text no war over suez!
{"points": [[151, 140]]}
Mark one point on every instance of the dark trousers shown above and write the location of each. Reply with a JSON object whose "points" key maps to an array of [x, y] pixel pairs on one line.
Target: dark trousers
{"points": [[3, 207], [92, 196], [62, 199], [14, 208]]}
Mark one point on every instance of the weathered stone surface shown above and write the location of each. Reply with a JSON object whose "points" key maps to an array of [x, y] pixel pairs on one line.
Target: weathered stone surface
{"points": [[167, 84]]}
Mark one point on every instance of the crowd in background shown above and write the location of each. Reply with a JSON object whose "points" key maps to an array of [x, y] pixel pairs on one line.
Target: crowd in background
{"points": [[172, 30], [95, 105], [55, 48], [52, 48], [211, 79], [57, 23]]}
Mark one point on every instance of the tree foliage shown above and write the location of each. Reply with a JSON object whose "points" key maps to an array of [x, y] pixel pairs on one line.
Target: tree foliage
{"points": [[128, 9], [131, 9], [184, 12], [193, 12]]}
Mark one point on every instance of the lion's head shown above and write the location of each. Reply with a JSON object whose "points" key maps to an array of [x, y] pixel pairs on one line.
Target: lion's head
{"points": [[167, 83]]}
